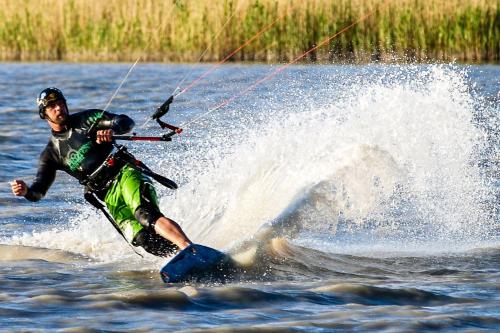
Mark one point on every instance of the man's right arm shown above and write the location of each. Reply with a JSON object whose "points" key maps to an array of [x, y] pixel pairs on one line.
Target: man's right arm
{"points": [[45, 176], [19, 187]]}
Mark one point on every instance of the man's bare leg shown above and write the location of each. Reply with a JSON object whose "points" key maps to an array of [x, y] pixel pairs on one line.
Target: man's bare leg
{"points": [[170, 230]]}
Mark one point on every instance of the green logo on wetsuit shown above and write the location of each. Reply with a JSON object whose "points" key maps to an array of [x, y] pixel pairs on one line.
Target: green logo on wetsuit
{"points": [[76, 159], [94, 117]]}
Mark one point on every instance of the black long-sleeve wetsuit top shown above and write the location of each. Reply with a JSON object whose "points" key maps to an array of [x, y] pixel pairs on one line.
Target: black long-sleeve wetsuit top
{"points": [[73, 151]]}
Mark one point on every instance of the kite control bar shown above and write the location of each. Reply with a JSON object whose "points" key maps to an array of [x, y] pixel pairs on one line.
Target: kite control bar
{"points": [[160, 112]]}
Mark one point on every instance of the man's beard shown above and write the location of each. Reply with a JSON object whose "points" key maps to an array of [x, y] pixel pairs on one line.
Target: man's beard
{"points": [[60, 120]]}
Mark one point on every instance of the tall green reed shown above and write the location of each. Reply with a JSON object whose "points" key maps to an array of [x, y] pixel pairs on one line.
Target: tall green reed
{"points": [[168, 30]]}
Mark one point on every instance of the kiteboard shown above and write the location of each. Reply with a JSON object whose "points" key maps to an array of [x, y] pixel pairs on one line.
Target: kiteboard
{"points": [[197, 263]]}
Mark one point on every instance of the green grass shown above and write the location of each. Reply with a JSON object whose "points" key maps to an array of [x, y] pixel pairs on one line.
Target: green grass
{"points": [[167, 30]]}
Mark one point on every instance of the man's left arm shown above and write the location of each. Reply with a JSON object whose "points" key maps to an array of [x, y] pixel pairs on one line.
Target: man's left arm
{"points": [[111, 124], [118, 123]]}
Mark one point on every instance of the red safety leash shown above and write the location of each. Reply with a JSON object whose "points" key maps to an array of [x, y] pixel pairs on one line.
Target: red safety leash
{"points": [[283, 67], [227, 57]]}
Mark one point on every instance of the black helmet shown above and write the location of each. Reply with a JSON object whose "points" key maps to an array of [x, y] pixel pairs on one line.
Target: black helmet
{"points": [[47, 96]]}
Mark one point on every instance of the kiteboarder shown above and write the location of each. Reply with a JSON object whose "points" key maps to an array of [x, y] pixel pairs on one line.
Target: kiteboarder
{"points": [[82, 145]]}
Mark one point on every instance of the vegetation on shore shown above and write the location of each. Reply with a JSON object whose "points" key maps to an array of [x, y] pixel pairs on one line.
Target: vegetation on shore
{"points": [[180, 30]]}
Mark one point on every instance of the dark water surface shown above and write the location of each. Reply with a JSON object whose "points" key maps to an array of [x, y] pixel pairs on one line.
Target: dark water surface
{"points": [[356, 198]]}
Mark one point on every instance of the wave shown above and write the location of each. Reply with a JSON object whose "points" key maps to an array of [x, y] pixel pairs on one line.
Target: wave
{"points": [[372, 295], [19, 253], [394, 157], [87, 234], [281, 259]]}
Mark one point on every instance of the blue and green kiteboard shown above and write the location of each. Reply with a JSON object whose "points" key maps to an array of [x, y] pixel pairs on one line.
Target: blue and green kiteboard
{"points": [[198, 263]]}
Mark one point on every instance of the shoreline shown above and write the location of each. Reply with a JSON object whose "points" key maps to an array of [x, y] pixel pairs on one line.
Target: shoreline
{"points": [[251, 63]]}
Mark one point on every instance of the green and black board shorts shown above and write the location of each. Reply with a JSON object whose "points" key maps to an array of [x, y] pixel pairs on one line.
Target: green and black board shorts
{"points": [[130, 190]]}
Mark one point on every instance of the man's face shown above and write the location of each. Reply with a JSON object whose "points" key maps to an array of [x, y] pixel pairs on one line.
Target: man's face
{"points": [[57, 112]]}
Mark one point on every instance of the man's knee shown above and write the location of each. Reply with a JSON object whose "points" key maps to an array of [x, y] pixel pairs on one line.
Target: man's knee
{"points": [[147, 216], [147, 213]]}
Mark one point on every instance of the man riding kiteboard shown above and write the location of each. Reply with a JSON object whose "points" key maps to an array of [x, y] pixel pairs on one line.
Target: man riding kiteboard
{"points": [[81, 144]]}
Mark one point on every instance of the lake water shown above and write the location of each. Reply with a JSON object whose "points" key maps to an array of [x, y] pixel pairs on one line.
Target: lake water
{"points": [[356, 198]]}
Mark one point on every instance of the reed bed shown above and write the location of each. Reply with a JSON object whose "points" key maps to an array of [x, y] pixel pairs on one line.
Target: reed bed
{"points": [[179, 31]]}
